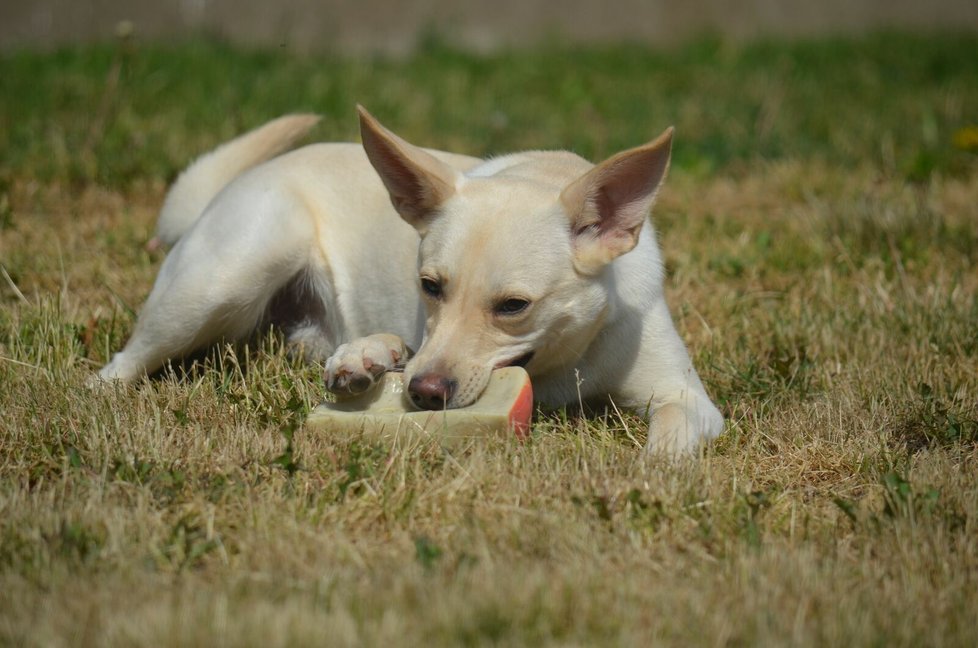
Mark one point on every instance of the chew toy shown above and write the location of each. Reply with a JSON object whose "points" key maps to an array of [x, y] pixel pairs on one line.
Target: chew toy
{"points": [[505, 406]]}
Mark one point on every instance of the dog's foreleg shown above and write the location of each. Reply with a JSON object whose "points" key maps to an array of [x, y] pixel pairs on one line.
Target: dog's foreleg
{"points": [[664, 386]]}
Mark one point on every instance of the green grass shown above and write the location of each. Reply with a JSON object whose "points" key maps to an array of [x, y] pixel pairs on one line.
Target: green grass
{"points": [[820, 228], [890, 101]]}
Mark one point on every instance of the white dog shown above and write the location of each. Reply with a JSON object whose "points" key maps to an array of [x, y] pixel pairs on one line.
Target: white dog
{"points": [[537, 258]]}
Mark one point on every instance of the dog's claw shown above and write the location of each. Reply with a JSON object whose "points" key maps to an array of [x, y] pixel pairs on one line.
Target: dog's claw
{"points": [[356, 366]]}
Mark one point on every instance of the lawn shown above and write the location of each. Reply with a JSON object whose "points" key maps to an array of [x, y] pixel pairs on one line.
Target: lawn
{"points": [[820, 227]]}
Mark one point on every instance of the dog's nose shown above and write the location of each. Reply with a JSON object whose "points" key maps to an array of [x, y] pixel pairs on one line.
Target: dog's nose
{"points": [[431, 391]]}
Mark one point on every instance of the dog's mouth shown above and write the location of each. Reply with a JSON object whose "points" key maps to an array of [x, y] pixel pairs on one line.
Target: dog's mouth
{"points": [[518, 361]]}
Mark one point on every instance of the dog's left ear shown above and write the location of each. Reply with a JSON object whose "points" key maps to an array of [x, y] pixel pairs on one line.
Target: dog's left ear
{"points": [[610, 203], [418, 183]]}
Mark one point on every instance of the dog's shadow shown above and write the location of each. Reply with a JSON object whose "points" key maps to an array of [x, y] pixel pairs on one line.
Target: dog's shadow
{"points": [[225, 361]]}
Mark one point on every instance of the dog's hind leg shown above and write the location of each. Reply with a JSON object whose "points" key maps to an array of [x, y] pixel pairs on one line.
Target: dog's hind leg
{"points": [[300, 311], [218, 281]]}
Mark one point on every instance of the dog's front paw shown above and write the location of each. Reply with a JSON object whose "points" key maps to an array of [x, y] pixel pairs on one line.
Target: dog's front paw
{"points": [[356, 366], [678, 429]]}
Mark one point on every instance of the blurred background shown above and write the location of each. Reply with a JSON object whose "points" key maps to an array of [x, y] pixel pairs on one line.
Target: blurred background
{"points": [[391, 27], [119, 91]]}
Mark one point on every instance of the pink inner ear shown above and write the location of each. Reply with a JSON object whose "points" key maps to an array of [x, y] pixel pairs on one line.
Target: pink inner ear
{"points": [[628, 189], [609, 204], [417, 182], [620, 204], [609, 209], [407, 192]]}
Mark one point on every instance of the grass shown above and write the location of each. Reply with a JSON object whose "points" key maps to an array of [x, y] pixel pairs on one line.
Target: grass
{"points": [[820, 228]]}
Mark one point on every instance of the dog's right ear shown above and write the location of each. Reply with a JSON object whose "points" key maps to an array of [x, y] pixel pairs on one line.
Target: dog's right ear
{"points": [[418, 183]]}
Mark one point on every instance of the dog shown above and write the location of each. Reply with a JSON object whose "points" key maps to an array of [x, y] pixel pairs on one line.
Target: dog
{"points": [[364, 253]]}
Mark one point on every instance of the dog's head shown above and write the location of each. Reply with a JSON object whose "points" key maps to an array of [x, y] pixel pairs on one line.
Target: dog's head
{"points": [[512, 265]]}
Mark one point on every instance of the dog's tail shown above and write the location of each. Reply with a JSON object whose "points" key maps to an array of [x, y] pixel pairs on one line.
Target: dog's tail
{"points": [[211, 172]]}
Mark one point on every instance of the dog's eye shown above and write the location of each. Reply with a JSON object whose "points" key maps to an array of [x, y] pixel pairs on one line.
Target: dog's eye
{"points": [[512, 306], [431, 287]]}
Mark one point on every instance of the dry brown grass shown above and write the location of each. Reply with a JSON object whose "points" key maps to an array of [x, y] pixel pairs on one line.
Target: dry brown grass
{"points": [[838, 509]]}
